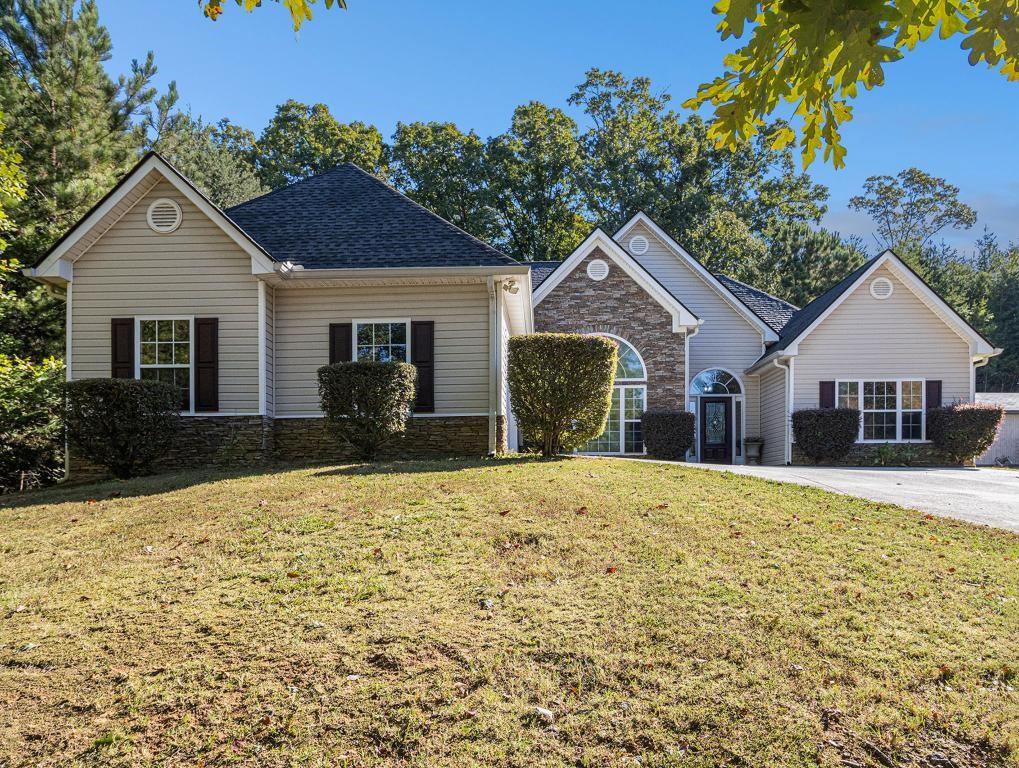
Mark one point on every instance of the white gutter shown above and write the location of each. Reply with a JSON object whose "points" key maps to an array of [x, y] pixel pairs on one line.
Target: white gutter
{"points": [[292, 272]]}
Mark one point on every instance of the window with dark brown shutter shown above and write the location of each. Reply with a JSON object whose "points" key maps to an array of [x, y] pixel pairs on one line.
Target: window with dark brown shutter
{"points": [[933, 393], [422, 355], [341, 343], [827, 394], [206, 363], [122, 348]]}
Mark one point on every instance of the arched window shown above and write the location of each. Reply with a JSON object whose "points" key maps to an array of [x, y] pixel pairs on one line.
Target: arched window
{"points": [[630, 366], [629, 399], [715, 382]]}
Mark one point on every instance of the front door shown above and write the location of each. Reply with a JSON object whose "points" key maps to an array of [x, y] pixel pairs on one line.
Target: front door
{"points": [[716, 430]]}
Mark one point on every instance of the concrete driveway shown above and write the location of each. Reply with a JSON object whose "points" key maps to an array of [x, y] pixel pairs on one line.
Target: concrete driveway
{"points": [[983, 495]]}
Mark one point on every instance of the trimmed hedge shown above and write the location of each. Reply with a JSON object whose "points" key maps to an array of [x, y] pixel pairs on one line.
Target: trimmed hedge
{"points": [[965, 430], [561, 387], [826, 434], [668, 434], [368, 403], [122, 424]]}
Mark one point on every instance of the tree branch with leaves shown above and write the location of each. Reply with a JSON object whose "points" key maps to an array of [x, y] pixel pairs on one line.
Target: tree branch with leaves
{"points": [[816, 55]]}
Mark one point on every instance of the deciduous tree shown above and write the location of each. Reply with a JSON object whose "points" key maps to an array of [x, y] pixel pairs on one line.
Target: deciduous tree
{"points": [[303, 140], [814, 57], [532, 174], [443, 168]]}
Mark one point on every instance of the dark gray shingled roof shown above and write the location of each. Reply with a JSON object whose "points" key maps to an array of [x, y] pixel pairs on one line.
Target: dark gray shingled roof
{"points": [[771, 309], [346, 218], [540, 271]]}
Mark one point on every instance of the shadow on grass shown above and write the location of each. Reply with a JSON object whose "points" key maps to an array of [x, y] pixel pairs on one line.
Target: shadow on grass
{"points": [[157, 484], [432, 465]]}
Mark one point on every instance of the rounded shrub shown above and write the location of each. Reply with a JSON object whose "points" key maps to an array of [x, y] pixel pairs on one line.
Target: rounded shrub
{"points": [[965, 430], [122, 424], [368, 403], [561, 387], [668, 434], [826, 434]]}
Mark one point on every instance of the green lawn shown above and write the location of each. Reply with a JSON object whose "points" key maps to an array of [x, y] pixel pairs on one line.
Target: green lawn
{"points": [[417, 614]]}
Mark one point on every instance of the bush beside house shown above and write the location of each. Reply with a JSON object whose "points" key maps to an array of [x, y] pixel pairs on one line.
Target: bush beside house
{"points": [[368, 403], [668, 434], [826, 434], [963, 431], [31, 431], [561, 387], [122, 424]]}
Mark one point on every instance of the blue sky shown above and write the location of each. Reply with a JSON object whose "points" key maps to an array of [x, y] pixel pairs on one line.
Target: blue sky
{"points": [[472, 62]]}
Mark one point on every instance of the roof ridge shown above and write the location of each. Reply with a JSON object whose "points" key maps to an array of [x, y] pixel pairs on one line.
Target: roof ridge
{"points": [[291, 185], [755, 288], [407, 198]]}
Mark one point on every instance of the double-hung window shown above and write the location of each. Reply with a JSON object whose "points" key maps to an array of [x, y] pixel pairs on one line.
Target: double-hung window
{"points": [[892, 409], [164, 354], [383, 341]]}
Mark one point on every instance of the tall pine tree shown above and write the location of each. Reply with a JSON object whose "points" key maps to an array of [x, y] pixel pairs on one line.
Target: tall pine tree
{"points": [[75, 129]]}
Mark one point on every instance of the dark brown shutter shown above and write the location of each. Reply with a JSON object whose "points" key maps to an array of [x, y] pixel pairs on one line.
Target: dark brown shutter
{"points": [[341, 346], [422, 354], [827, 394], [122, 348], [207, 364], [933, 393]]}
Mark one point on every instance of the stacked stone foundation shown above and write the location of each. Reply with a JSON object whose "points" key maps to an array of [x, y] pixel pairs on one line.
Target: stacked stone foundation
{"points": [[247, 441]]}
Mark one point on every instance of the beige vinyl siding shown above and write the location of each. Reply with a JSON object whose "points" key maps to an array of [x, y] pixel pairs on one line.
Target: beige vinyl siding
{"points": [[774, 419], [895, 338], [726, 340], [460, 313], [270, 338], [197, 271]]}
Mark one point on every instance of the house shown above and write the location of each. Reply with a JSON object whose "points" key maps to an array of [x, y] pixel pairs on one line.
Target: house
{"points": [[1005, 449], [742, 361], [239, 308]]}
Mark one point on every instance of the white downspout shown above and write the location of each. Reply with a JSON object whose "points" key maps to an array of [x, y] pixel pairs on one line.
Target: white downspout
{"points": [[495, 361], [787, 453], [686, 391]]}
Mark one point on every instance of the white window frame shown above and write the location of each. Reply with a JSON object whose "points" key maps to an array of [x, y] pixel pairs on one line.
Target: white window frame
{"points": [[369, 321], [899, 410], [138, 367], [623, 385]]}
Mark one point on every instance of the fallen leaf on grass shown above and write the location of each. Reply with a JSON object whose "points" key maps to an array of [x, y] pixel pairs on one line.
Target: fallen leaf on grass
{"points": [[581, 510], [611, 569]]}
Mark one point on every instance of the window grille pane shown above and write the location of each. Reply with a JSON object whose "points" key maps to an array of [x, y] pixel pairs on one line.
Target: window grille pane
{"points": [[148, 330], [398, 333], [879, 425], [364, 335], [181, 353], [181, 330], [398, 352], [164, 330], [849, 394], [912, 425], [148, 356], [912, 395]]}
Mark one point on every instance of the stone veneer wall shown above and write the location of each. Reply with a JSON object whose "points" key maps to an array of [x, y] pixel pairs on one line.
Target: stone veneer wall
{"points": [[619, 306], [254, 440], [314, 440], [865, 454]]}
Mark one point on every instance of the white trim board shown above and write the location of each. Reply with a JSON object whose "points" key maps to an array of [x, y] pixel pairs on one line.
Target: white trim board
{"points": [[682, 317], [52, 266], [980, 349], [701, 271]]}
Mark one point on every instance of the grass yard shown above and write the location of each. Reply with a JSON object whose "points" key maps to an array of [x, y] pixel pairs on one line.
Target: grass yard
{"points": [[419, 614]]}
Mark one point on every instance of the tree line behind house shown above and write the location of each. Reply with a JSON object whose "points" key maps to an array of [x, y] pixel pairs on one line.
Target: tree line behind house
{"points": [[68, 131]]}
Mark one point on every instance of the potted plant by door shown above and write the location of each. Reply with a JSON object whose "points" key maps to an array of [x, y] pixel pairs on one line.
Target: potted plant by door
{"points": [[753, 446]]}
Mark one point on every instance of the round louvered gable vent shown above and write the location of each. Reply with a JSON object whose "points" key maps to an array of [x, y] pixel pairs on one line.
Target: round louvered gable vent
{"points": [[597, 269], [881, 288], [638, 245], [164, 215]]}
